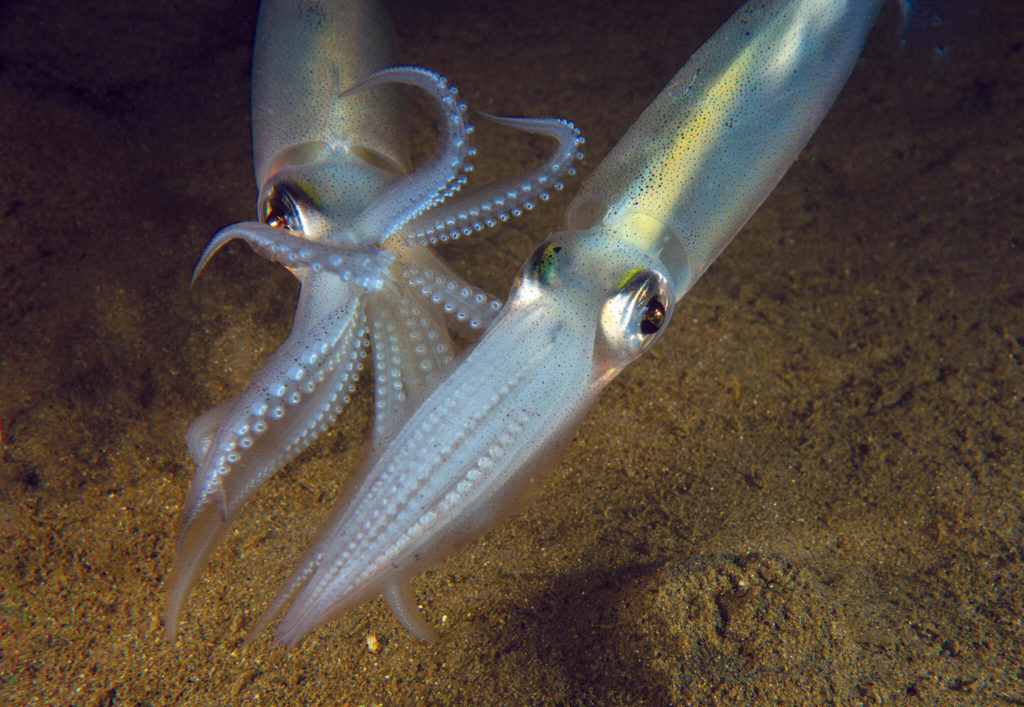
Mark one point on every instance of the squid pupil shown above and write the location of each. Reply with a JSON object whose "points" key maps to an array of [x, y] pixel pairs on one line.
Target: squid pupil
{"points": [[281, 211], [653, 317], [277, 215]]}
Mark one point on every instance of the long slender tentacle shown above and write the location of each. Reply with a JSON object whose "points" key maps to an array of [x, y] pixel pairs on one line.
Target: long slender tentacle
{"points": [[421, 274], [436, 179], [494, 203], [239, 445], [365, 267], [364, 548], [411, 348]]}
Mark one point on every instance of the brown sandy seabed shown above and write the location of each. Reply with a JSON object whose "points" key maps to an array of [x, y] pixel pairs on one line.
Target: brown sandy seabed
{"points": [[809, 492]]}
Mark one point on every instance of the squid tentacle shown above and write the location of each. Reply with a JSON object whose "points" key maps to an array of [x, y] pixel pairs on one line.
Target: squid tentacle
{"points": [[438, 178], [489, 205], [410, 348], [367, 268], [239, 445], [299, 577], [357, 553], [389, 398], [465, 306], [338, 342]]}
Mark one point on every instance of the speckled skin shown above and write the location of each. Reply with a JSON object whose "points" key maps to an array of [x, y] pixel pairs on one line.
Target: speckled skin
{"points": [[645, 226], [339, 210]]}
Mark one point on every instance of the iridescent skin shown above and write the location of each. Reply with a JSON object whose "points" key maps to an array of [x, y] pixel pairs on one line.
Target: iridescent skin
{"points": [[649, 221], [339, 208]]}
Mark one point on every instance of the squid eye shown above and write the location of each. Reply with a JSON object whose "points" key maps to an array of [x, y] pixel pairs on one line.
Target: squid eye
{"points": [[279, 209], [653, 317], [634, 316]]}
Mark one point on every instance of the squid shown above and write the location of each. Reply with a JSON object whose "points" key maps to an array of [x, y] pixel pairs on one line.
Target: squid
{"points": [[642, 229], [340, 207]]}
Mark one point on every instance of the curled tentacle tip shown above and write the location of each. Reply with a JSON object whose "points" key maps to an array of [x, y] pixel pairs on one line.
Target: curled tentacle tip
{"points": [[218, 241]]}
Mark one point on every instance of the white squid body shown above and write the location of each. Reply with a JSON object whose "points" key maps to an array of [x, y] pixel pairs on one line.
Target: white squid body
{"points": [[650, 220], [339, 206]]}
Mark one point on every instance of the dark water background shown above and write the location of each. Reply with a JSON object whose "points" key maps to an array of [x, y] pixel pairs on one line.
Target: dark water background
{"points": [[809, 491]]}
